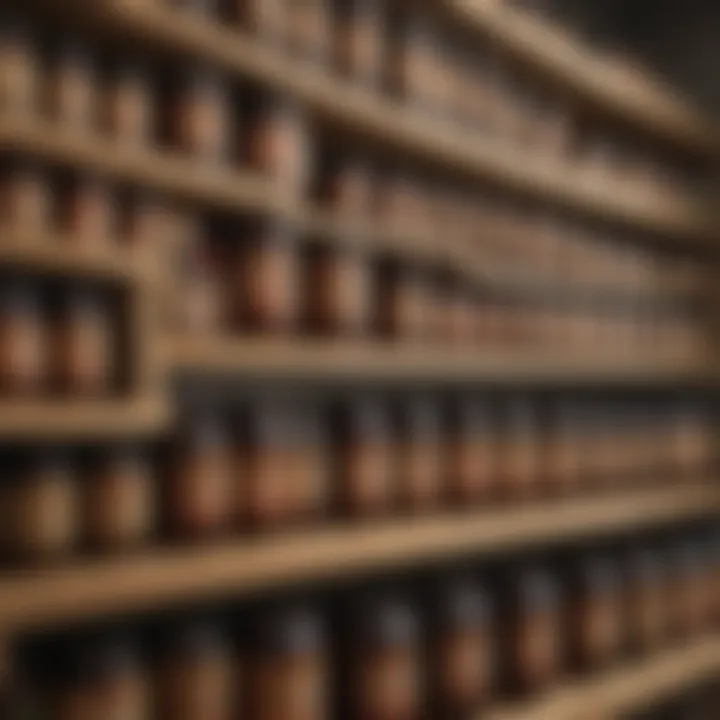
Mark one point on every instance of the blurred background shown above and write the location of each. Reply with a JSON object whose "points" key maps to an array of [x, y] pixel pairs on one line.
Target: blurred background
{"points": [[358, 360]]}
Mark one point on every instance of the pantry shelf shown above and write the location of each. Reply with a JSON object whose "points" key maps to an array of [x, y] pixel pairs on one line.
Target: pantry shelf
{"points": [[53, 255], [345, 360], [664, 213], [81, 421], [160, 579], [603, 84], [627, 689]]}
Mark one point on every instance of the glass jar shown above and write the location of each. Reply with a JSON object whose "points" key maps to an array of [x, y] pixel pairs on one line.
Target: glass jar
{"points": [[404, 305], [309, 28], [19, 69], [519, 452], [128, 108], [87, 212], [646, 609], [72, 88], [266, 19], [25, 203], [357, 37]]}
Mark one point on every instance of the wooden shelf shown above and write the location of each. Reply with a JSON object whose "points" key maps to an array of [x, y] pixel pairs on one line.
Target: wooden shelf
{"points": [[51, 255], [670, 214], [80, 420], [627, 689], [330, 360], [169, 577], [600, 82]]}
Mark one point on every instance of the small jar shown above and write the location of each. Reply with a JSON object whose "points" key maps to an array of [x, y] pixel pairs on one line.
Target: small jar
{"points": [[534, 632], [25, 202], [143, 224], [84, 346], [411, 66], [128, 111], [200, 492], [199, 121], [561, 471], [44, 510], [364, 460], [277, 144], [358, 35], [266, 19], [308, 28], [597, 635], [403, 305], [463, 652], [201, 8], [71, 88], [519, 452], [385, 674], [646, 609], [290, 666], [692, 442], [471, 454], [19, 70], [420, 457], [23, 342], [197, 678], [87, 212], [268, 498], [119, 502], [339, 291], [345, 187], [265, 280], [690, 599]]}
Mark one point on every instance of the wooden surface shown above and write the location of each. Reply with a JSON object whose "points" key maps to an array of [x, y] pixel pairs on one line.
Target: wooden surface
{"points": [[626, 689], [80, 420], [347, 360], [602, 83], [396, 128], [164, 578]]}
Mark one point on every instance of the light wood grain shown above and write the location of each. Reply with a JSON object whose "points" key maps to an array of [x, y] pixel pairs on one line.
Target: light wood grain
{"points": [[163, 578], [628, 688], [398, 129], [347, 360], [602, 83]]}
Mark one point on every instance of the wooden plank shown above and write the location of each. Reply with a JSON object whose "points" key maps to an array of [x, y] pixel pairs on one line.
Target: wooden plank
{"points": [[628, 688], [163, 578], [601, 82], [400, 129], [348, 360]]}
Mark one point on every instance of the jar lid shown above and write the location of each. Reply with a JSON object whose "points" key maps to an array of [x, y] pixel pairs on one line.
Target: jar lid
{"points": [[368, 417], [132, 455], [48, 461], [94, 658], [294, 630], [474, 414], [133, 70], [85, 302], [20, 298], [537, 589], [520, 415], [206, 82], [272, 422], [598, 574], [71, 52], [12, 27], [421, 416], [207, 431], [464, 603], [387, 622], [686, 558], [199, 637], [645, 565]]}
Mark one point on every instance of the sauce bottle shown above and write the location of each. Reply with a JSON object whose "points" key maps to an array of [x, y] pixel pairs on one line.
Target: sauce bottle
{"points": [[646, 609], [403, 305], [19, 69], [87, 212], [519, 452], [71, 88], [128, 112], [25, 202]]}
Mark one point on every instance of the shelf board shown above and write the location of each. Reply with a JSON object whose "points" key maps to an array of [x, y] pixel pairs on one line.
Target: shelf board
{"points": [[330, 360], [629, 688], [52, 255], [670, 214], [75, 420], [169, 577], [161, 171], [602, 83]]}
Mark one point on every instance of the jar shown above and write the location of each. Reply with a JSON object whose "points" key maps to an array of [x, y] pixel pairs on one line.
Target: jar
{"points": [[201, 8], [71, 87], [597, 634], [561, 472], [128, 110], [358, 40], [264, 282], [19, 69], [197, 676], [199, 120], [86, 212], [23, 342], [143, 224], [462, 652], [25, 203], [200, 492], [518, 448], [385, 673], [411, 71], [43, 503], [693, 441], [646, 609], [345, 187], [84, 346], [364, 459], [308, 28], [471, 454], [265, 19], [420, 456], [290, 666], [339, 291], [277, 143], [403, 304], [690, 600], [268, 498], [119, 503], [309, 466], [534, 632]]}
